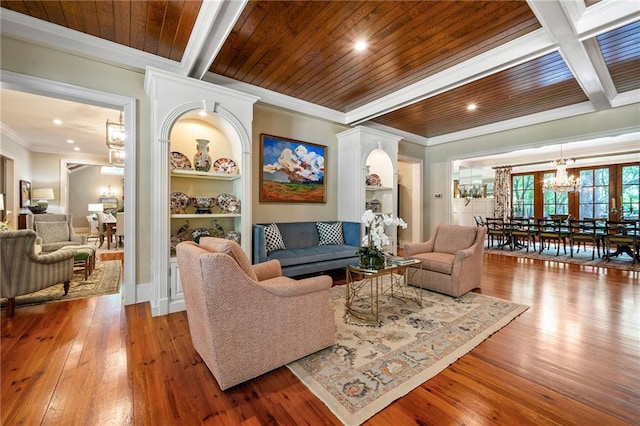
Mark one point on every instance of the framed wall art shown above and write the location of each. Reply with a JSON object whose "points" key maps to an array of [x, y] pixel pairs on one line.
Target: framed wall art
{"points": [[292, 171], [25, 193]]}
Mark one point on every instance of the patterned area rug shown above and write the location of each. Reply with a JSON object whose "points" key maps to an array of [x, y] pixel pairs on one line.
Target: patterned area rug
{"points": [[583, 257], [105, 279], [372, 366]]}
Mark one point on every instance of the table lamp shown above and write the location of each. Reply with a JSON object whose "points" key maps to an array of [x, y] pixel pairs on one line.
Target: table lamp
{"points": [[94, 208], [43, 195]]}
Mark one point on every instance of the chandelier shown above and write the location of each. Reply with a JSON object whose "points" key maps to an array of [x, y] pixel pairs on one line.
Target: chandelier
{"points": [[562, 182], [115, 140]]}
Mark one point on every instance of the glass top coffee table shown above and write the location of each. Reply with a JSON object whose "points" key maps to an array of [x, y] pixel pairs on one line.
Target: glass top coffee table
{"points": [[365, 287]]}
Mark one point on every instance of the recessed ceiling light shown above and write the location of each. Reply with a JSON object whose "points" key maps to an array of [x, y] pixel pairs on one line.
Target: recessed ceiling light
{"points": [[76, 149], [57, 121], [471, 107], [361, 45], [70, 141], [202, 113]]}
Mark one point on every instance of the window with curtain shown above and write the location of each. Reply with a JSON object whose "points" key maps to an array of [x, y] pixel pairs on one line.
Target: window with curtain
{"points": [[523, 191], [630, 191], [594, 193]]}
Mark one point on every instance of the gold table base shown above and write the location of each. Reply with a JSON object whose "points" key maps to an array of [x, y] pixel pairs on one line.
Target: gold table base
{"points": [[371, 286]]}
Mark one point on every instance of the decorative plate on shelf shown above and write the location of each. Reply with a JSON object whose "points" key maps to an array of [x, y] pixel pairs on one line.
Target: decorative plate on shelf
{"points": [[374, 180], [199, 233], [179, 161], [228, 203], [225, 165], [179, 202]]}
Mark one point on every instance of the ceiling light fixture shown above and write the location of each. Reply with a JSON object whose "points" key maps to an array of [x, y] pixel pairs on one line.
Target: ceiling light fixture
{"points": [[115, 140], [57, 122], [361, 45], [562, 182], [472, 107], [202, 113], [70, 141]]}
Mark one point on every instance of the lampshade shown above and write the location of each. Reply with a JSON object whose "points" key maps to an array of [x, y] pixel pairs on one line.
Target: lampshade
{"points": [[97, 207], [1, 202], [42, 195]]}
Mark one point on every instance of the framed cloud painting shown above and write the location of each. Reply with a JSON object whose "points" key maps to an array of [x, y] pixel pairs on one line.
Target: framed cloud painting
{"points": [[292, 171]]}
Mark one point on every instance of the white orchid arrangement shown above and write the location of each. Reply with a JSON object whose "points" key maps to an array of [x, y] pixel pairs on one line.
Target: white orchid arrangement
{"points": [[375, 238]]}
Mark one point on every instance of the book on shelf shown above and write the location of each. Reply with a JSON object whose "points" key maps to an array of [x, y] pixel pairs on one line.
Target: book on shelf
{"points": [[399, 260]]}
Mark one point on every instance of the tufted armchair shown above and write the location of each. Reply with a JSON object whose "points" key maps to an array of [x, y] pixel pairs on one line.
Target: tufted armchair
{"points": [[23, 271], [451, 259], [246, 320], [55, 231]]}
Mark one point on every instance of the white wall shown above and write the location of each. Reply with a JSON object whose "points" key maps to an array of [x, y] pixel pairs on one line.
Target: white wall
{"points": [[19, 169], [86, 185]]}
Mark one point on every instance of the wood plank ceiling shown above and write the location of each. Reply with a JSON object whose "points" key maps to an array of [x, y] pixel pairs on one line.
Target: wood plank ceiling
{"points": [[305, 50]]}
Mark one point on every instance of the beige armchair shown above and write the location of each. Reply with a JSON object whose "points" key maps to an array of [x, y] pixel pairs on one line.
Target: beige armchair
{"points": [[55, 231], [23, 271], [246, 320], [451, 259]]}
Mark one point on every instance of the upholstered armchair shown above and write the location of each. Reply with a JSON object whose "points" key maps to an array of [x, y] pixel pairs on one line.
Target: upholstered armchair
{"points": [[246, 320], [451, 259], [55, 231], [23, 271]]}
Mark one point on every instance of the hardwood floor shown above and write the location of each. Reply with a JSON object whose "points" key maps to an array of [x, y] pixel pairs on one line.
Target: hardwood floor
{"points": [[572, 358]]}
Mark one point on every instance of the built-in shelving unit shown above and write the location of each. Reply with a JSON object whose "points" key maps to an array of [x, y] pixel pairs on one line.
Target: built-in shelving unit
{"points": [[363, 150], [226, 120]]}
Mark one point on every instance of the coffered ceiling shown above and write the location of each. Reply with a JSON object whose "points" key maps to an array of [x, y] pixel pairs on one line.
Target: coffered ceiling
{"points": [[519, 62]]}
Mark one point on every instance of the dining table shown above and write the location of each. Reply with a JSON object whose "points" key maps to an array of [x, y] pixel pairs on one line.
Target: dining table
{"points": [[110, 224]]}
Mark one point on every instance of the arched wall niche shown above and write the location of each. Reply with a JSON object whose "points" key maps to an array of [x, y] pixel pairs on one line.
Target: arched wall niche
{"points": [[217, 117], [176, 101]]}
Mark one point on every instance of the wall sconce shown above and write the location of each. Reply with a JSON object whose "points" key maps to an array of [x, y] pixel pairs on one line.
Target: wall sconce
{"points": [[108, 192]]}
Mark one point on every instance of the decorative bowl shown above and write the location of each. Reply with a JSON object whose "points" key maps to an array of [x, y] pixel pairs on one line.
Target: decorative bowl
{"points": [[203, 204]]}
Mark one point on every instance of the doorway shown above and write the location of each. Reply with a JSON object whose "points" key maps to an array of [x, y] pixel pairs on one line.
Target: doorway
{"points": [[410, 172], [81, 95]]}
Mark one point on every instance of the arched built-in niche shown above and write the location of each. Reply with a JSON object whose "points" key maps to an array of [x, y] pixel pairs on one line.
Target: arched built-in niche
{"points": [[230, 113]]}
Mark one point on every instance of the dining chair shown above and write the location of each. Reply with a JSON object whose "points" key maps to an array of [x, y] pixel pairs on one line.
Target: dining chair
{"points": [[586, 231], [496, 229], [523, 230], [625, 235], [553, 230]]}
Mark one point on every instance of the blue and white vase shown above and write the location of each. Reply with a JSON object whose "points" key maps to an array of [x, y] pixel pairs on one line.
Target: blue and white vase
{"points": [[202, 159]]}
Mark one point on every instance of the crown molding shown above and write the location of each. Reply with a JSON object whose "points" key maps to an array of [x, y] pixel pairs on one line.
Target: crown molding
{"points": [[277, 99], [15, 136], [514, 123]]}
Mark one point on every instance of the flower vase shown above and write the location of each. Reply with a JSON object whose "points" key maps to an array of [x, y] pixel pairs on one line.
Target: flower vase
{"points": [[372, 261], [202, 159]]}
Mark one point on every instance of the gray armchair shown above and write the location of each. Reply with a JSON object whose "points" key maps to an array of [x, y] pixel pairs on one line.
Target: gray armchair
{"points": [[248, 319], [23, 271], [451, 259], [55, 231]]}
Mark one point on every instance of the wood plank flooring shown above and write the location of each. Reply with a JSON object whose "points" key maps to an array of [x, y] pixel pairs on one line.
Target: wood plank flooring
{"points": [[571, 359]]}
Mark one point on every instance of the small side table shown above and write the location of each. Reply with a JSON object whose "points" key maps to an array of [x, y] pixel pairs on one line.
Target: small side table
{"points": [[371, 285]]}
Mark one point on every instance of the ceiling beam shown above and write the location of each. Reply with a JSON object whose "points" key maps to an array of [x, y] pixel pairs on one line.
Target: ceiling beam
{"points": [[594, 80], [213, 25]]}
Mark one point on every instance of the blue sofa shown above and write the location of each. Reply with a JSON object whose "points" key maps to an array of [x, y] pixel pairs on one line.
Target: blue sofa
{"points": [[303, 255]]}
